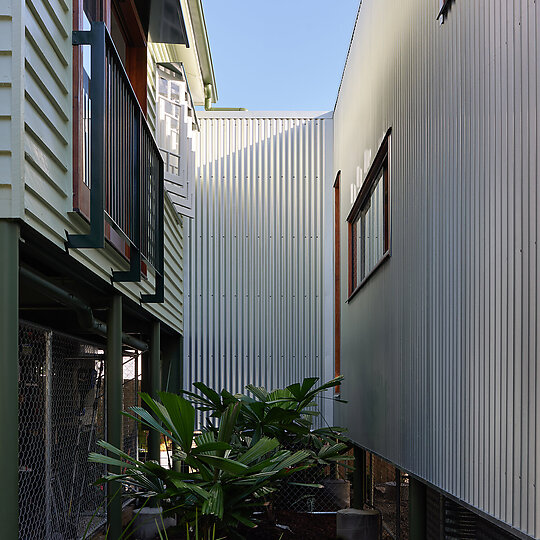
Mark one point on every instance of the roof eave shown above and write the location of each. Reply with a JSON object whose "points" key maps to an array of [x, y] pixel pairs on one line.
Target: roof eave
{"points": [[203, 45]]}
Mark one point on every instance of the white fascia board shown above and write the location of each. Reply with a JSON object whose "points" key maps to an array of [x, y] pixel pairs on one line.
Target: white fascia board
{"points": [[323, 115], [202, 44]]}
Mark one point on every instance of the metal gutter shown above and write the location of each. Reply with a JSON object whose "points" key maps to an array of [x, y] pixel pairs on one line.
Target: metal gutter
{"points": [[203, 45], [85, 316]]}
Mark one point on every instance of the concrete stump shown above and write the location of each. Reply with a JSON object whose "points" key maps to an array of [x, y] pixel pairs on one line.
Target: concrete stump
{"points": [[149, 521], [354, 524], [339, 491]]}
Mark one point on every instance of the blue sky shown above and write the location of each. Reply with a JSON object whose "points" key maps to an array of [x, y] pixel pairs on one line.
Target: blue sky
{"points": [[279, 54]]}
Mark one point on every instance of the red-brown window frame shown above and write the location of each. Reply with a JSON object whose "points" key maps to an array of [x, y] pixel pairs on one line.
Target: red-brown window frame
{"points": [[136, 47], [380, 162], [337, 281], [81, 192]]}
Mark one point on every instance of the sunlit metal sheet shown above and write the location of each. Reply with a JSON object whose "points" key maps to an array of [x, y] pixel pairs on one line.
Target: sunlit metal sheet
{"points": [[259, 257]]}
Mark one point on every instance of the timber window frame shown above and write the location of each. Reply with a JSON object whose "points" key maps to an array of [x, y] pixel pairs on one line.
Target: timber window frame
{"points": [[369, 248], [337, 281]]}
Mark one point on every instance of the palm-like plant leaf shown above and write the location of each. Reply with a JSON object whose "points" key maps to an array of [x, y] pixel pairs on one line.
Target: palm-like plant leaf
{"points": [[258, 450], [181, 418], [232, 467], [259, 392], [214, 503], [224, 464]]}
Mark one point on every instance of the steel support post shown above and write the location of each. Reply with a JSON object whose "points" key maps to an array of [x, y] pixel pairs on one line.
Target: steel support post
{"points": [[9, 362], [173, 351], [398, 504], [154, 438], [114, 380], [359, 478], [173, 354], [417, 510]]}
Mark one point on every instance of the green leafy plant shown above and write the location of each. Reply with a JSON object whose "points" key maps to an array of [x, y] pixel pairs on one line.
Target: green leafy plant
{"points": [[225, 478], [230, 469], [284, 414]]}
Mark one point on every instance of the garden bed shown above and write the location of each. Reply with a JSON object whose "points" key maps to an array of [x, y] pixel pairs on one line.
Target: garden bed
{"points": [[288, 526]]}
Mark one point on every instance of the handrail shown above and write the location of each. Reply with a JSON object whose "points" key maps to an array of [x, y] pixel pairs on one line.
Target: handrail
{"points": [[126, 166]]}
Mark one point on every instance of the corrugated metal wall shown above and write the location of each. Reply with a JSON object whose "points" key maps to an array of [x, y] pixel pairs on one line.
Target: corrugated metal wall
{"points": [[440, 348], [260, 251]]}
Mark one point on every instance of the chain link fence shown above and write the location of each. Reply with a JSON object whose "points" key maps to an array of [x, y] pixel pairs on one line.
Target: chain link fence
{"points": [[388, 494], [317, 489], [61, 417]]}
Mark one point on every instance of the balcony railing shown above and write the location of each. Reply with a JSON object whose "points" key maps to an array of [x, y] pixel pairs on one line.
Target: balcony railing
{"points": [[122, 164]]}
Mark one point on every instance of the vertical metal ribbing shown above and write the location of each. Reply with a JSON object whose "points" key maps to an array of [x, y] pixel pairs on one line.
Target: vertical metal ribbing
{"points": [[9, 354], [461, 287], [114, 380], [256, 240]]}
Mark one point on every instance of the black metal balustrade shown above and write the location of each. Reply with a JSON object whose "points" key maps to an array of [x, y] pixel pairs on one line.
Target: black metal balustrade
{"points": [[122, 164]]}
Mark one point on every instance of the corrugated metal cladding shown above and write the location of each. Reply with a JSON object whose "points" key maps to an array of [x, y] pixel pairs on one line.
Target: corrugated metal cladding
{"points": [[440, 348], [260, 252]]}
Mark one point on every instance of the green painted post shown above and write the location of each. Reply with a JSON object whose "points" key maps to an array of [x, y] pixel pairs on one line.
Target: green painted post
{"points": [[417, 509], [359, 478], [114, 374], [9, 361], [154, 438], [173, 352]]}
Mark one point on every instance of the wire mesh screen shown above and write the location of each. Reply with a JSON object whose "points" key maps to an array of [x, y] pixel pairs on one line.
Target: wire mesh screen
{"points": [[317, 489], [61, 416], [389, 495], [447, 520]]}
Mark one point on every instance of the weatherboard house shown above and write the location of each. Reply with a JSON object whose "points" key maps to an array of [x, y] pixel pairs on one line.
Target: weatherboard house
{"points": [[146, 245], [98, 144]]}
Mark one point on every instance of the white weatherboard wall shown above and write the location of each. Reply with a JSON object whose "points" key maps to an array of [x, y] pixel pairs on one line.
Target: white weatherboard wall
{"points": [[259, 256], [440, 349], [11, 109]]}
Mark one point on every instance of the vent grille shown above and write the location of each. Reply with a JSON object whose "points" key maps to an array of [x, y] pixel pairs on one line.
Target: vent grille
{"points": [[447, 520]]}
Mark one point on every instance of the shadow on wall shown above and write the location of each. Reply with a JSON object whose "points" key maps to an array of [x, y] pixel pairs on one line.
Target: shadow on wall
{"points": [[256, 307]]}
